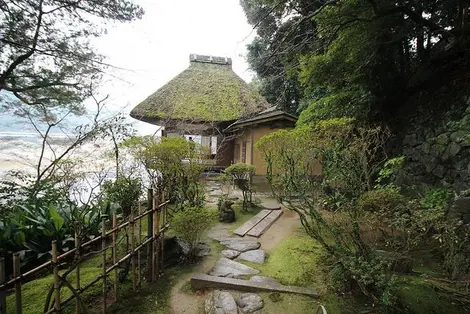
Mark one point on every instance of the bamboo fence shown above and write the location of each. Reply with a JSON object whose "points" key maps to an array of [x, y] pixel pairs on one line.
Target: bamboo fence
{"points": [[54, 302]]}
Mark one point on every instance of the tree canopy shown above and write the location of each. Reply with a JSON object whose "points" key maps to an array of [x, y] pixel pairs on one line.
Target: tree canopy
{"points": [[359, 58], [46, 56]]}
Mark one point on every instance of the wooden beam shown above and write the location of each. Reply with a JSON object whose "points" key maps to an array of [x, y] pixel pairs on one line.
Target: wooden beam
{"points": [[247, 226], [264, 224], [203, 281]]}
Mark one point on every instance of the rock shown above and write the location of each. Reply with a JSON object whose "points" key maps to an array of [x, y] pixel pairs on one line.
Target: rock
{"points": [[250, 302], [458, 136], [453, 149], [216, 193], [266, 280], [254, 256], [411, 140], [270, 204], [439, 171], [442, 139], [203, 249], [241, 245], [220, 302], [226, 213], [228, 268], [231, 254], [462, 205]]}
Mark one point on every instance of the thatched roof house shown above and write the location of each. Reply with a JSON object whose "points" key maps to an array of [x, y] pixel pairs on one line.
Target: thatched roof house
{"points": [[212, 104], [207, 95]]}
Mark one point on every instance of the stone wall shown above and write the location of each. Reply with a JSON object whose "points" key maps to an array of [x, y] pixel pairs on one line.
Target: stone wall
{"points": [[437, 148]]}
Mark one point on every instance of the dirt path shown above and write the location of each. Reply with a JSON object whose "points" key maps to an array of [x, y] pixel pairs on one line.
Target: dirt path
{"points": [[184, 301]]}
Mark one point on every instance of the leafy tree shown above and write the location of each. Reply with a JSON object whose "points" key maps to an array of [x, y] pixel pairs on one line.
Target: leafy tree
{"points": [[46, 56]]}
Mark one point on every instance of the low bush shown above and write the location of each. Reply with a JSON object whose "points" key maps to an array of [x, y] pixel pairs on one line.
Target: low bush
{"points": [[242, 174], [124, 191], [190, 223]]}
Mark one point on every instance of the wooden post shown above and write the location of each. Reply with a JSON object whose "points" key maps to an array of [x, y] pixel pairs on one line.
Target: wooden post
{"points": [[149, 235], [77, 273], [139, 265], [103, 249], [17, 273], [132, 230], [156, 232], [116, 275], [162, 240], [3, 295], [56, 277]]}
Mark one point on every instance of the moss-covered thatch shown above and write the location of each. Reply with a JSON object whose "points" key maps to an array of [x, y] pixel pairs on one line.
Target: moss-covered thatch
{"points": [[204, 92]]}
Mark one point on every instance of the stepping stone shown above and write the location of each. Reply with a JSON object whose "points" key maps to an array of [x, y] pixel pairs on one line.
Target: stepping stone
{"points": [[216, 193], [265, 280], [220, 302], [254, 256], [270, 205], [230, 253], [227, 268], [260, 228], [241, 245], [250, 302], [247, 226]]}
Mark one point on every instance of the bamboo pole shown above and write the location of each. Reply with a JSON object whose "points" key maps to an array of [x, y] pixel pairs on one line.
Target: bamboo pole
{"points": [[3, 295], [156, 232], [77, 272], [132, 222], [17, 273], [56, 277], [139, 265], [162, 240], [149, 235], [116, 275], [103, 248]]}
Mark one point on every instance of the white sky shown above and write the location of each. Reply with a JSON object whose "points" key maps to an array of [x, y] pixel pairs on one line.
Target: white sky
{"points": [[156, 48]]}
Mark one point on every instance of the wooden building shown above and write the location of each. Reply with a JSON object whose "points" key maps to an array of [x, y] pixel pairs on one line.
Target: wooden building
{"points": [[211, 103]]}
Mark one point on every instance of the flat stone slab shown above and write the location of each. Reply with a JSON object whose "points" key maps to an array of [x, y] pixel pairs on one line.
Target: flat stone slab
{"points": [[241, 245], [247, 226], [265, 280], [202, 281], [270, 205], [254, 256], [227, 268], [231, 254], [264, 224], [221, 302], [250, 302], [216, 193]]}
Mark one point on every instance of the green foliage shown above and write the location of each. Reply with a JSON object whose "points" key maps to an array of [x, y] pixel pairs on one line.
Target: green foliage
{"points": [[382, 201], [190, 223], [389, 171], [123, 191], [48, 59], [173, 165], [436, 198]]}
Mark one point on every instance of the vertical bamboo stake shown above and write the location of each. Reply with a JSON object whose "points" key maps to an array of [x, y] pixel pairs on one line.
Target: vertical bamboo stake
{"points": [[139, 266], [149, 235], [156, 231], [17, 273], [56, 277], [103, 249], [116, 275], [77, 272], [131, 225], [3, 295], [162, 238]]}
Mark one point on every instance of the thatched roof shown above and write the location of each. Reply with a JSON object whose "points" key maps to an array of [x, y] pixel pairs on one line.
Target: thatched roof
{"points": [[208, 91]]}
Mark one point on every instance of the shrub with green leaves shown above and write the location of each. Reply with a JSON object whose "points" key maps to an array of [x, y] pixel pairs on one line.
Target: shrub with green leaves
{"points": [[190, 223], [124, 191]]}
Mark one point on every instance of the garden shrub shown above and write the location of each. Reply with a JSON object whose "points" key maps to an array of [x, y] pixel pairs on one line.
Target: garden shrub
{"points": [[124, 191], [190, 223], [384, 201]]}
